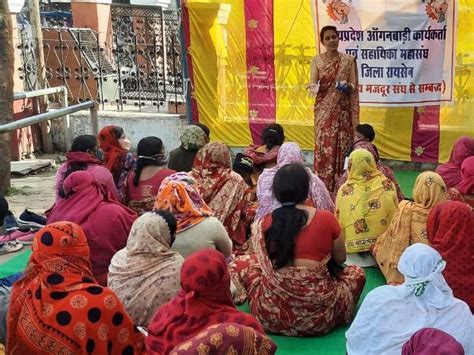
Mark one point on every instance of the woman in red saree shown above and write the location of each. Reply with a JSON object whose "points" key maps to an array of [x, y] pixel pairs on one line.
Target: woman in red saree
{"points": [[334, 83], [227, 339], [204, 300], [58, 307], [450, 225], [293, 278]]}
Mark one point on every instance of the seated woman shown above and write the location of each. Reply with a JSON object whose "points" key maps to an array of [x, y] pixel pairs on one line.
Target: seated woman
{"points": [[145, 180], [365, 206], [117, 157], [243, 166], [451, 170], [430, 341], [85, 155], [204, 300], [390, 315], [450, 229], [192, 139], [58, 307], [318, 196], [408, 226], [265, 155], [197, 228], [222, 189], [464, 191], [235, 339], [145, 274], [365, 135], [105, 221], [293, 280]]}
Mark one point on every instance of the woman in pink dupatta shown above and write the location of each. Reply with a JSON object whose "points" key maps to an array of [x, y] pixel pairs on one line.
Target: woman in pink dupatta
{"points": [[105, 221], [289, 152], [336, 109], [451, 170]]}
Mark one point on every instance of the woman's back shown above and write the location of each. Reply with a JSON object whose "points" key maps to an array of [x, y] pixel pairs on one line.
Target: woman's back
{"points": [[390, 315], [141, 198], [58, 307], [210, 233], [105, 221], [314, 242], [107, 231], [365, 204], [286, 277]]}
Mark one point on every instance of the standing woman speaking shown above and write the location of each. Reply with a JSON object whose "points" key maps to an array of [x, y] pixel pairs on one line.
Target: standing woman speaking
{"points": [[334, 84]]}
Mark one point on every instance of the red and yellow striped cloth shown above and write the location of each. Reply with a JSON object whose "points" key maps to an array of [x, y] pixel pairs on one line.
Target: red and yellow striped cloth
{"points": [[249, 63]]}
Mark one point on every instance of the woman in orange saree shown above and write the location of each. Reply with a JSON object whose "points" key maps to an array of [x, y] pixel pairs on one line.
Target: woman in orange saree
{"points": [[336, 111]]}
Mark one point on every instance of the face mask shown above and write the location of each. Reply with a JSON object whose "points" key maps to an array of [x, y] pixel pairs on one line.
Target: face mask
{"points": [[165, 157], [125, 143], [161, 158]]}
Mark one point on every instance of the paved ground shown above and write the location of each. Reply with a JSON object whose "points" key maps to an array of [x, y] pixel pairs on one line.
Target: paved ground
{"points": [[34, 192]]}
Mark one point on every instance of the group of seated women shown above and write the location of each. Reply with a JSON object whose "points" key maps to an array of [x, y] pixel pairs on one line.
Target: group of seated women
{"points": [[146, 253]]}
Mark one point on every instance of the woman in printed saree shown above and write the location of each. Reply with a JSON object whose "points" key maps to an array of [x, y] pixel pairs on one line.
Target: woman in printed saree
{"points": [[365, 134], [431, 341], [145, 274], [365, 205], [408, 226], [58, 307], [390, 315], [451, 170], [464, 190], [222, 189], [105, 221], [204, 300], [334, 83], [450, 230], [197, 228], [145, 180], [227, 339], [293, 281], [117, 157], [192, 139], [290, 152]]}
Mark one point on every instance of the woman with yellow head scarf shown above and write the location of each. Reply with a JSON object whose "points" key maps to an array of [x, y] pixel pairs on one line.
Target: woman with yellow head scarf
{"points": [[365, 205], [409, 224]]}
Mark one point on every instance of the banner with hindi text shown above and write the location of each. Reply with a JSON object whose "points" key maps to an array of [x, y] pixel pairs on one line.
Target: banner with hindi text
{"points": [[404, 48]]}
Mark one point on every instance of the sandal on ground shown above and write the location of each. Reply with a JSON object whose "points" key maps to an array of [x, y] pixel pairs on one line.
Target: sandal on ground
{"points": [[10, 247]]}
